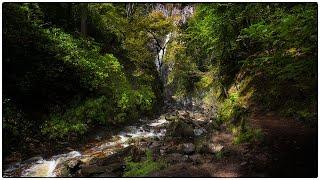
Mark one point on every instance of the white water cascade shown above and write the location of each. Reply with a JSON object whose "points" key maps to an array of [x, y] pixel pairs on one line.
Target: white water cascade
{"points": [[45, 168], [159, 61]]}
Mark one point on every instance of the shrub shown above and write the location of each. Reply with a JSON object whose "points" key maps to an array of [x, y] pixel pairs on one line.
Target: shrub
{"points": [[59, 128], [143, 168], [247, 135]]}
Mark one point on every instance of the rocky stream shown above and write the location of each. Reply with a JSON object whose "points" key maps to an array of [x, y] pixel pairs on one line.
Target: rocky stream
{"points": [[177, 135]]}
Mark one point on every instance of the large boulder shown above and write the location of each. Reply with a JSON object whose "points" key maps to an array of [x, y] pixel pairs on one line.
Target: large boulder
{"points": [[116, 157], [180, 128], [68, 168]]}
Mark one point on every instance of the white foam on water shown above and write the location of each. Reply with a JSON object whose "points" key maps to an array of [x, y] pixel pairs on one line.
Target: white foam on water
{"points": [[158, 123], [45, 168]]}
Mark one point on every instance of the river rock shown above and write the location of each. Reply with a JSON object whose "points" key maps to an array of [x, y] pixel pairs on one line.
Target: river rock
{"points": [[196, 158], [67, 168], [180, 129], [188, 148], [116, 157], [174, 158], [155, 144], [73, 163], [198, 132], [33, 159], [170, 117], [62, 170], [214, 148]]}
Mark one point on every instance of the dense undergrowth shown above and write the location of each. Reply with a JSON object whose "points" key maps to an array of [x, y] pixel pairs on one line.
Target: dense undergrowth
{"points": [[61, 79], [245, 56]]}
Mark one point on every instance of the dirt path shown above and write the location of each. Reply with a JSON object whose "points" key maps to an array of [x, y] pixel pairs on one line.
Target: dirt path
{"points": [[289, 148]]}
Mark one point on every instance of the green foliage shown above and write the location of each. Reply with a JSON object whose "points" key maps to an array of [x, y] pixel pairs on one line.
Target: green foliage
{"points": [[276, 48], [137, 169], [231, 110], [183, 77], [71, 81], [247, 136], [219, 154], [58, 128]]}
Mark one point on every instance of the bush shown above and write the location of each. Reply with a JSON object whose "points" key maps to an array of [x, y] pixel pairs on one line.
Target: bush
{"points": [[248, 135], [143, 168], [59, 128], [231, 110]]}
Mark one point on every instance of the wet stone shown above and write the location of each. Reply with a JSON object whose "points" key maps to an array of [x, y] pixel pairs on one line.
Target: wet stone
{"points": [[33, 159], [198, 132], [214, 148]]}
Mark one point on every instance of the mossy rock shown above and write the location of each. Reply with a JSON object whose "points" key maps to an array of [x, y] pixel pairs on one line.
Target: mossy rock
{"points": [[171, 117], [179, 128]]}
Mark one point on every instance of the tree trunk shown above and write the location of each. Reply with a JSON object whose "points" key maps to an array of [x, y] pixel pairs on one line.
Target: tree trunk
{"points": [[84, 13]]}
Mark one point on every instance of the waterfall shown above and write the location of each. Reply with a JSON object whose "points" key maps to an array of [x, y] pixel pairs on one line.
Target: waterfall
{"points": [[164, 67], [159, 61], [183, 13]]}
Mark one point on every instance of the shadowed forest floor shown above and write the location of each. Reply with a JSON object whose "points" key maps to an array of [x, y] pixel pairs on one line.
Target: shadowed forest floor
{"points": [[288, 149], [291, 146]]}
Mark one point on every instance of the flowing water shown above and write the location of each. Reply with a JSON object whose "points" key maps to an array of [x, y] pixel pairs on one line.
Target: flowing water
{"points": [[46, 167]]}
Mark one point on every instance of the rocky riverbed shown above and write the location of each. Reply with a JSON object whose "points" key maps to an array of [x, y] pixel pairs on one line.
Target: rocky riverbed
{"points": [[177, 136]]}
